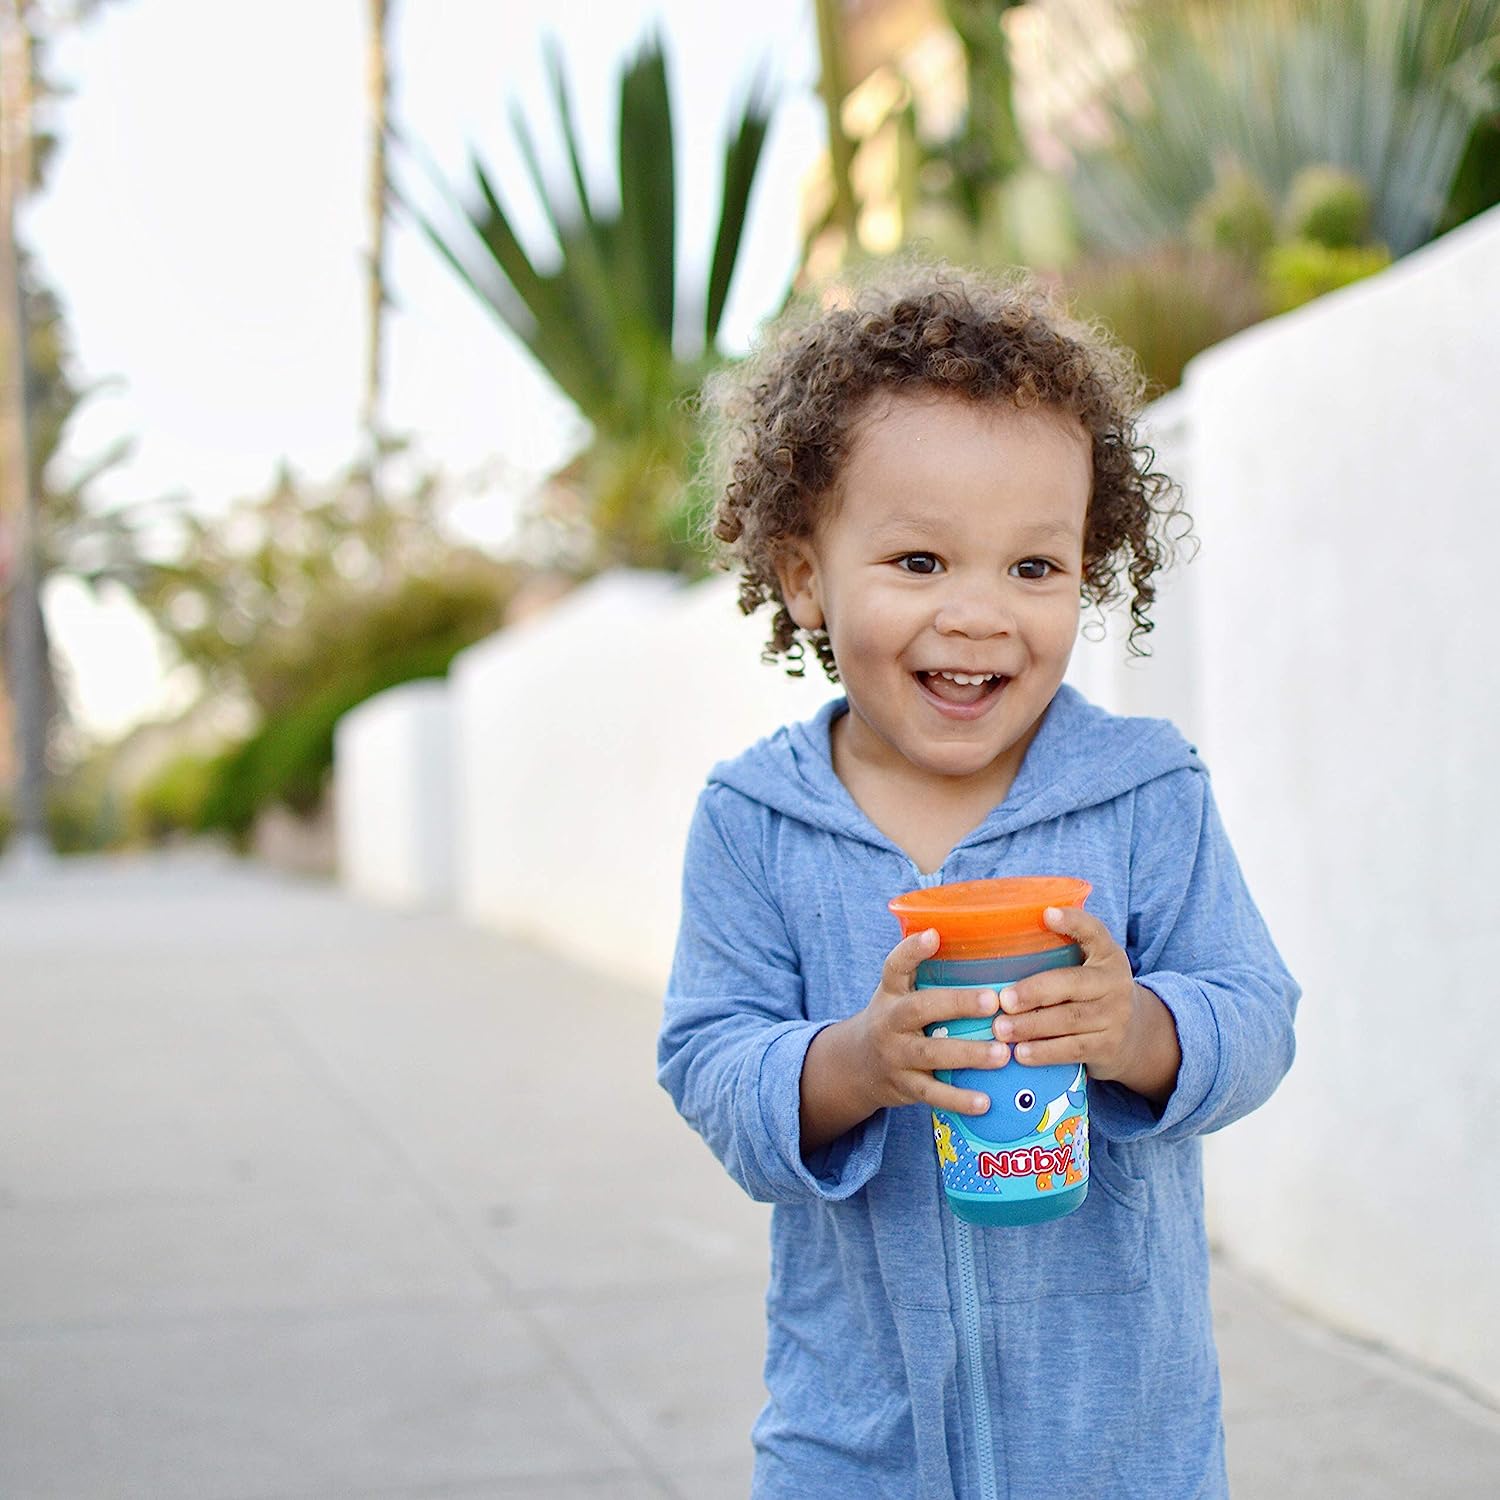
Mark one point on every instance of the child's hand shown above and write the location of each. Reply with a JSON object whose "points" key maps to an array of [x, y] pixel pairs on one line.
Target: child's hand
{"points": [[1095, 1014], [898, 1059]]}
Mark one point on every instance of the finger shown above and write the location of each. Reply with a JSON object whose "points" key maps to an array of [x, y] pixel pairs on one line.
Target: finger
{"points": [[1054, 987], [935, 1054], [1081, 927], [933, 1006], [925, 1089], [1051, 1021], [1063, 1049], [899, 972]]}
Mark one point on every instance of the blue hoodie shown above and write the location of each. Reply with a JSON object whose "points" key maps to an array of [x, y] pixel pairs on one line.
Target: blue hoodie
{"points": [[910, 1355]]}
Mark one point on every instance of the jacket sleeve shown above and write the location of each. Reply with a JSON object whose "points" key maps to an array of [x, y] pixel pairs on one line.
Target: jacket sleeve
{"points": [[735, 1029], [1195, 939]]}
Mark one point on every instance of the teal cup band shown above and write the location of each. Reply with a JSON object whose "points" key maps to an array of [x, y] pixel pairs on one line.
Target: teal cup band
{"points": [[981, 973]]}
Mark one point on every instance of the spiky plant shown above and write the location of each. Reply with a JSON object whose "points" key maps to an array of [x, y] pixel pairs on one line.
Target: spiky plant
{"points": [[606, 322], [1392, 91]]}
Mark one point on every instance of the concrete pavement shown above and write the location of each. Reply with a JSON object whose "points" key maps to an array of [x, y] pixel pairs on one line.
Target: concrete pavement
{"points": [[302, 1200]]}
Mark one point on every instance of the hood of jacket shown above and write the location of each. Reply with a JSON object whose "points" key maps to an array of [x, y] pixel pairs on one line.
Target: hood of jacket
{"points": [[1082, 756]]}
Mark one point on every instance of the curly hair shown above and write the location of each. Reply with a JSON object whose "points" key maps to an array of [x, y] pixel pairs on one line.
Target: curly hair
{"points": [[780, 425]]}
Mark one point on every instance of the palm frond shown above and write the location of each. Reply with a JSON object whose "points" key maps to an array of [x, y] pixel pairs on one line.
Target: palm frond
{"points": [[648, 187], [562, 102], [741, 160]]}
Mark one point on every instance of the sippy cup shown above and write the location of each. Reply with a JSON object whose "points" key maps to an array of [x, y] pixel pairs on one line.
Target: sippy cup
{"points": [[1026, 1158]]}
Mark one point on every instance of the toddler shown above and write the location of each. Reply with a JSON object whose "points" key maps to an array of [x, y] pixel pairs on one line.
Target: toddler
{"points": [[926, 478]]}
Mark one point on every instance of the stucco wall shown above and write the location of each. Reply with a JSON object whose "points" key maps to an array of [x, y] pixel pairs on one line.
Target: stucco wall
{"points": [[583, 738], [393, 794], [1351, 715]]}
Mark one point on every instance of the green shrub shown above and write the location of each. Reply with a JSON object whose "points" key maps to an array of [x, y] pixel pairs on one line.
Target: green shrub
{"points": [[288, 759], [81, 817], [171, 801], [1329, 206], [347, 635], [350, 646], [1295, 273], [1236, 215]]}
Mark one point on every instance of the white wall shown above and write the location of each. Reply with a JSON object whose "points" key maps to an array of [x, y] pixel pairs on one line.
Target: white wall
{"points": [[393, 791], [584, 737], [1347, 455], [1330, 653], [1165, 682]]}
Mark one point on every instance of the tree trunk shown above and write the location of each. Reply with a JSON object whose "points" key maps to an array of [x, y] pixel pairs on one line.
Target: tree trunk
{"points": [[20, 572], [832, 86], [378, 85]]}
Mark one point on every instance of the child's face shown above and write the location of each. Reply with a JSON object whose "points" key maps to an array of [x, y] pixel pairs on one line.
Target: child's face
{"points": [[957, 547]]}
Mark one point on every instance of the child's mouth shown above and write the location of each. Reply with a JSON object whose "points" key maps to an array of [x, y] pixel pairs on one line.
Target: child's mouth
{"points": [[972, 691]]}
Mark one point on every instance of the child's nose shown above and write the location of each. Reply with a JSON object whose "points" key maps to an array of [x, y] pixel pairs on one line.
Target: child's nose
{"points": [[978, 613]]}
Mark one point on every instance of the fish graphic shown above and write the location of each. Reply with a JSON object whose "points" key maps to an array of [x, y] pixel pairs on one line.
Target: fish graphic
{"points": [[942, 1133], [1025, 1101]]}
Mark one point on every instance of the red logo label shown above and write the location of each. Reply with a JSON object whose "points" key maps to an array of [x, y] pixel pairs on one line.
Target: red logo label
{"points": [[1028, 1161]]}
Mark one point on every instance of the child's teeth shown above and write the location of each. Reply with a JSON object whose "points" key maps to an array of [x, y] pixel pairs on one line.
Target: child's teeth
{"points": [[963, 679]]}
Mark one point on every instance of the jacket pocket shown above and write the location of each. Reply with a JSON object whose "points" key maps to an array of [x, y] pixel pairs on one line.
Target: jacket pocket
{"points": [[1103, 1248]]}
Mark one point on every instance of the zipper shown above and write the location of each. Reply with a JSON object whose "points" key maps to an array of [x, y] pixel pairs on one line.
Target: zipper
{"points": [[968, 1285], [968, 1310]]}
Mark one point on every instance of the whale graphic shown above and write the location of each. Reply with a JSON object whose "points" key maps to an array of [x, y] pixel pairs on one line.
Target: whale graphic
{"points": [[1025, 1101]]}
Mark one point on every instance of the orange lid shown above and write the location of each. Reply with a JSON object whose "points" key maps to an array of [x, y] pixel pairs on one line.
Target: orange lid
{"points": [[990, 918]]}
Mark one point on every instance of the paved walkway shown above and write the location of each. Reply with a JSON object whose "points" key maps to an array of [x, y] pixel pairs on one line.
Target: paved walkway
{"points": [[281, 1218]]}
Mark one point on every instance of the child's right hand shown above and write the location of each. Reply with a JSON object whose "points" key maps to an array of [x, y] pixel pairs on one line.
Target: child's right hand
{"points": [[900, 1060], [880, 1057]]}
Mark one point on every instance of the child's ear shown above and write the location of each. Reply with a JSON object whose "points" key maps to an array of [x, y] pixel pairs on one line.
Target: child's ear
{"points": [[797, 570]]}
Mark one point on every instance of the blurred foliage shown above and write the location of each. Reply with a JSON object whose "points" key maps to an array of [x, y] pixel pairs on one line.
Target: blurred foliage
{"points": [[1477, 185], [1328, 206], [172, 798], [604, 321], [412, 632], [1168, 304], [288, 759], [1236, 215], [987, 148], [975, 195], [1296, 272], [254, 597], [83, 815], [1308, 141], [77, 535], [303, 602], [463, 603], [1391, 91]]}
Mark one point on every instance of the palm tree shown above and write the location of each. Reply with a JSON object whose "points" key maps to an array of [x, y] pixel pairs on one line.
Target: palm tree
{"points": [[26, 666], [607, 324], [43, 525]]}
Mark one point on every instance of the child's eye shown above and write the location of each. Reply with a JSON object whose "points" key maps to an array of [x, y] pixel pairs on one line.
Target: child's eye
{"points": [[923, 564], [1034, 568]]}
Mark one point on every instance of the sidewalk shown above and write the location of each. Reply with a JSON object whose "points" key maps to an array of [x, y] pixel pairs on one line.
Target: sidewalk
{"points": [[290, 1209]]}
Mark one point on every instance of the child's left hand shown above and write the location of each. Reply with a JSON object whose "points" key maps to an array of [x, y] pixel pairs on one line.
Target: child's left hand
{"points": [[1094, 1013]]}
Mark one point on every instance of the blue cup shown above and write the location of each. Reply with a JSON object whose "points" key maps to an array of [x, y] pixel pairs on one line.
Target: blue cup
{"points": [[1026, 1159]]}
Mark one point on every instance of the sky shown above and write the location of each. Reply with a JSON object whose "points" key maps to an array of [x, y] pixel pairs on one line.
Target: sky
{"points": [[204, 224]]}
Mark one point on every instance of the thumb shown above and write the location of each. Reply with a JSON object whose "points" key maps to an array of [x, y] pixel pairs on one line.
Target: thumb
{"points": [[900, 972], [1074, 923]]}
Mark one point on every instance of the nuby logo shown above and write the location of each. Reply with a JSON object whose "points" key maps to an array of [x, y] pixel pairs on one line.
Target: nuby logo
{"points": [[1027, 1161]]}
